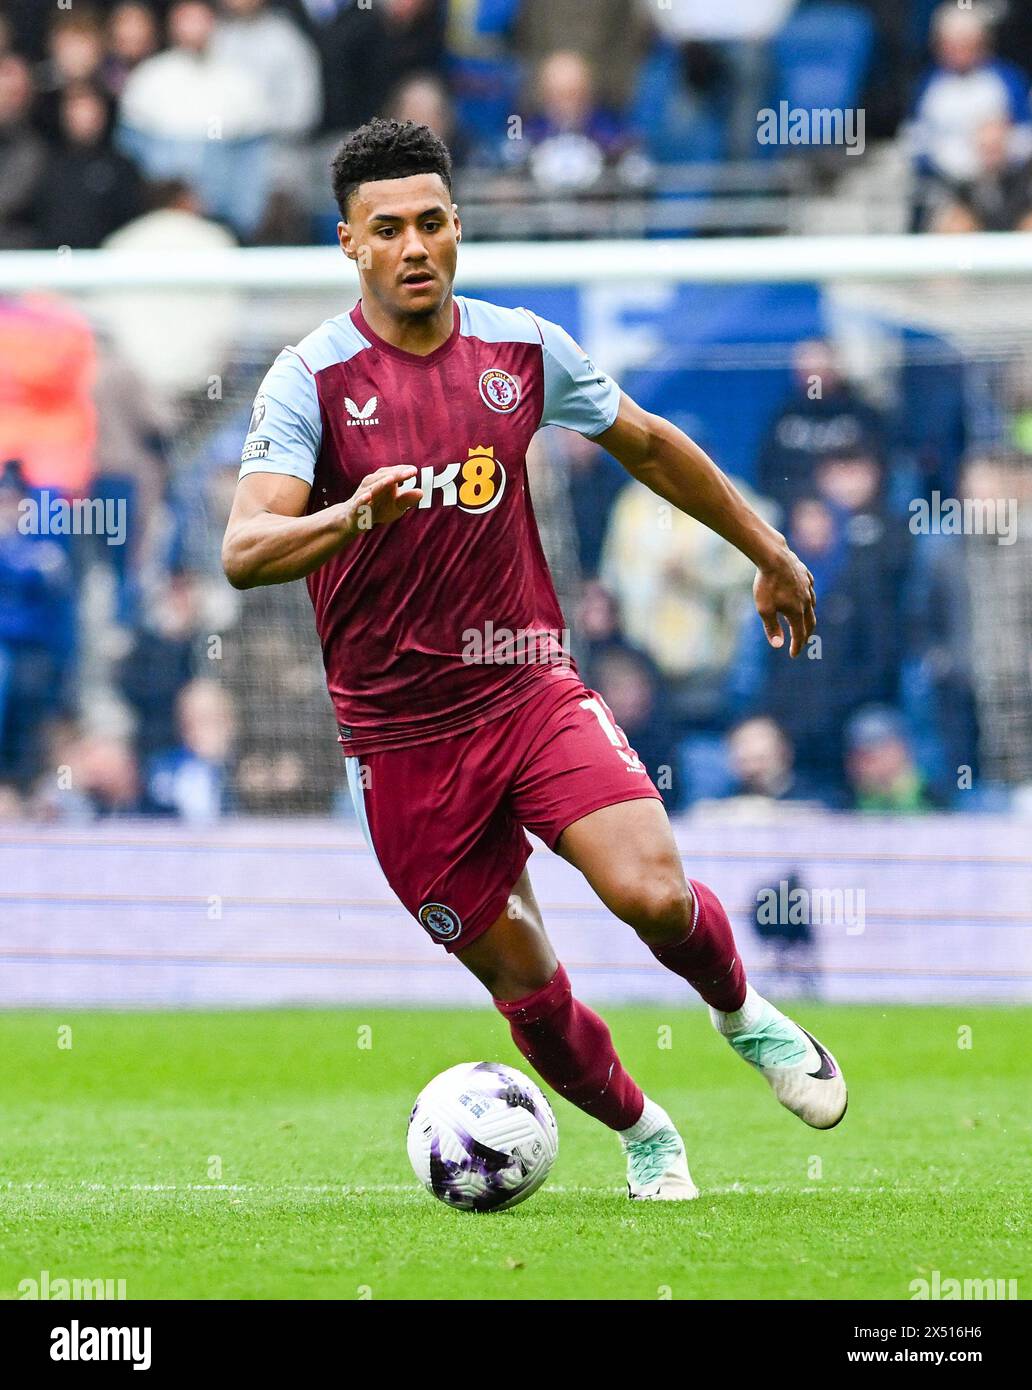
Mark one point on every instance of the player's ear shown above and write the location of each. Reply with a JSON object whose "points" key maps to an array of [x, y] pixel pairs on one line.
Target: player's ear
{"points": [[344, 237]]}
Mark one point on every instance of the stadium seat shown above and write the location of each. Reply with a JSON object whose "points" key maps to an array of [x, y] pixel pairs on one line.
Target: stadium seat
{"points": [[822, 57], [675, 129], [485, 92]]}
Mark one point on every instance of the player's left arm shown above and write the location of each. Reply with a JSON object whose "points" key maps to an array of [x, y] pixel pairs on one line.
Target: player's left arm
{"points": [[675, 468]]}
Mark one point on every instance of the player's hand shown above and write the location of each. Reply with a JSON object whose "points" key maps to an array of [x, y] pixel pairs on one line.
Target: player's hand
{"points": [[786, 587], [377, 501]]}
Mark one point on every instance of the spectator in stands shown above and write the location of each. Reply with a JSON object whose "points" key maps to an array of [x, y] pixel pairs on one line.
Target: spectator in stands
{"points": [[187, 113], [858, 554], [966, 88], [999, 198], [89, 189], [192, 780], [762, 763], [880, 766], [612, 43], [282, 61], [36, 624], [22, 155], [48, 420], [594, 481], [631, 686], [75, 53], [105, 780], [726, 50], [570, 139], [193, 328], [823, 413], [368, 50], [682, 594], [132, 37], [423, 99], [161, 662]]}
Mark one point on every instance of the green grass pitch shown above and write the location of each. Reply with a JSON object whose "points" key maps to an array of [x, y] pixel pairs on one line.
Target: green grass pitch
{"points": [[262, 1155]]}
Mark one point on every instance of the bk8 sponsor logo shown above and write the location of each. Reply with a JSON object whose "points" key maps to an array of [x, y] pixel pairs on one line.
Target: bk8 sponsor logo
{"points": [[474, 486]]}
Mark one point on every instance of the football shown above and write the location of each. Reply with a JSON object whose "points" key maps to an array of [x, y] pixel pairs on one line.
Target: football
{"points": [[482, 1136]]}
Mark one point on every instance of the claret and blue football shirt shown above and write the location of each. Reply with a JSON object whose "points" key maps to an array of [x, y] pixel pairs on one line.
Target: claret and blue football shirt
{"points": [[395, 607]]}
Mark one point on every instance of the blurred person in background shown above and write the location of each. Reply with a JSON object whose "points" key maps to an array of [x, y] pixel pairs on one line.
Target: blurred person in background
{"points": [[23, 155], [88, 189], [726, 52], [367, 50], [191, 780], [75, 53], [423, 99], [189, 113], [194, 328], [762, 763], [37, 620], [97, 778], [48, 419], [570, 139], [999, 197], [612, 44], [682, 595], [133, 35], [162, 660], [284, 63], [594, 481], [631, 686], [966, 88], [132, 441], [880, 765], [858, 554], [823, 413]]}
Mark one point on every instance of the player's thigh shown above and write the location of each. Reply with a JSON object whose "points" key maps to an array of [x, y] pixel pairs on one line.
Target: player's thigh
{"points": [[628, 854], [514, 957]]}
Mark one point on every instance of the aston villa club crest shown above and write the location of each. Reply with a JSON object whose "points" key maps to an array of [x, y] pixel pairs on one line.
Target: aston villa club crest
{"points": [[499, 390], [440, 921]]}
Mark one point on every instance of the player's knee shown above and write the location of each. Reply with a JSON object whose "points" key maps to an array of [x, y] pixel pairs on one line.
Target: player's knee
{"points": [[660, 909]]}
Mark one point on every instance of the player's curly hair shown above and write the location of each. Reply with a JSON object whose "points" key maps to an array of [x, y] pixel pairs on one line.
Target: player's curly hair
{"points": [[384, 149]]}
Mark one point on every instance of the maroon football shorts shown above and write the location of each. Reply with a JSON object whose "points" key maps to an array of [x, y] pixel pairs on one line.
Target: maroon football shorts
{"points": [[446, 819]]}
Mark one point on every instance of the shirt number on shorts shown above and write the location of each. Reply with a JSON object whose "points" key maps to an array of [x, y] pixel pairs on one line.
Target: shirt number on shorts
{"points": [[615, 736]]}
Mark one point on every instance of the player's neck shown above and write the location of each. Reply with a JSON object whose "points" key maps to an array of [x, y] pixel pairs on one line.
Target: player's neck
{"points": [[421, 334]]}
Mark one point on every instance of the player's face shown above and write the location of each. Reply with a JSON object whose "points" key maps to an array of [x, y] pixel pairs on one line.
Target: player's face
{"points": [[404, 235]]}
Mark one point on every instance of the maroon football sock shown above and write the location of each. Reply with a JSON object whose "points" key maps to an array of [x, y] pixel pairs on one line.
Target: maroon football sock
{"points": [[707, 957], [570, 1046]]}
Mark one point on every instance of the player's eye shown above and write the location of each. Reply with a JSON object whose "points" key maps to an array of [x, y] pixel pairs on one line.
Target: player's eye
{"points": [[431, 226]]}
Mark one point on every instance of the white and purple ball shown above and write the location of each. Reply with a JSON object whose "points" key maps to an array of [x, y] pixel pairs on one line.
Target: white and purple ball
{"points": [[482, 1136]]}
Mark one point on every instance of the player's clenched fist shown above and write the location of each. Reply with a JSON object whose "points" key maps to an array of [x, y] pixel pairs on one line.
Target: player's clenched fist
{"points": [[377, 498]]}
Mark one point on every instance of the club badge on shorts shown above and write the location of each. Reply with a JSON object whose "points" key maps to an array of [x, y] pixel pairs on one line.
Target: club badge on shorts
{"points": [[441, 922]]}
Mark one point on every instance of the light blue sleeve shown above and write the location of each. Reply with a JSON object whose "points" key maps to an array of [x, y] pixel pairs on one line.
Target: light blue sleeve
{"points": [[578, 395], [285, 433]]}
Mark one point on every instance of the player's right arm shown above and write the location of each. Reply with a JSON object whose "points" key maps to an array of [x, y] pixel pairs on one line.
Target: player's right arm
{"points": [[270, 540]]}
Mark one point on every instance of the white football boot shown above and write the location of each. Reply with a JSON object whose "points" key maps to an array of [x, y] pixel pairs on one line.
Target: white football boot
{"points": [[802, 1073], [657, 1167]]}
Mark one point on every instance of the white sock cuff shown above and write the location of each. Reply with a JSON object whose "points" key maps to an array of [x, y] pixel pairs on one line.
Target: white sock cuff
{"points": [[740, 1019], [653, 1117]]}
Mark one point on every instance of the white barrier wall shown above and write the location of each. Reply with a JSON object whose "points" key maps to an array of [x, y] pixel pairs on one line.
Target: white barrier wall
{"points": [[297, 912]]}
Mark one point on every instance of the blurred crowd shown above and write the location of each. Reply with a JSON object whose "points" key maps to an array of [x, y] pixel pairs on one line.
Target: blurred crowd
{"points": [[133, 681], [242, 100]]}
